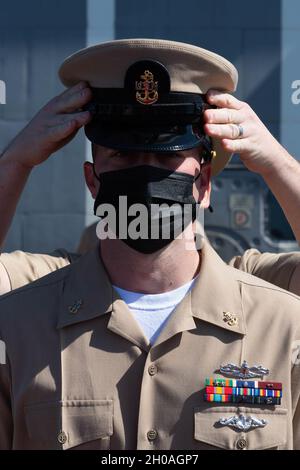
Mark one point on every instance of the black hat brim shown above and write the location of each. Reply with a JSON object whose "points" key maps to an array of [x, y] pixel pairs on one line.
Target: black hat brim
{"points": [[166, 138]]}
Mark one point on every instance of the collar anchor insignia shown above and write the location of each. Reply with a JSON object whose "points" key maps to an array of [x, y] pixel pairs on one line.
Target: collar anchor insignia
{"points": [[230, 318], [243, 371]]}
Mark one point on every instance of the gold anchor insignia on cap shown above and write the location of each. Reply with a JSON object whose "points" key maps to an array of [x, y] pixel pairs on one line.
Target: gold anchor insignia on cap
{"points": [[230, 318], [76, 306], [146, 89]]}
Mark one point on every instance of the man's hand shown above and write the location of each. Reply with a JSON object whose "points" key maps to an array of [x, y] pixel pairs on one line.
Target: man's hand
{"points": [[258, 149], [51, 128]]}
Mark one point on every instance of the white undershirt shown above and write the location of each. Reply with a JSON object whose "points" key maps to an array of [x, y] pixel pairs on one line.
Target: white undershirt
{"points": [[153, 310]]}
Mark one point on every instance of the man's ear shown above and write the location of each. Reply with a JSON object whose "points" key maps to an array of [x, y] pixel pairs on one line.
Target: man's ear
{"points": [[90, 179], [205, 185]]}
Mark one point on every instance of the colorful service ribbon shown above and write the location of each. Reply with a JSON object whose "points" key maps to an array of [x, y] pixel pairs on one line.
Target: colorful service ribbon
{"points": [[242, 391]]}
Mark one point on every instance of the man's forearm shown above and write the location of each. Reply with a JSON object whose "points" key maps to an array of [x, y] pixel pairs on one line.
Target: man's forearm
{"points": [[13, 177], [284, 182]]}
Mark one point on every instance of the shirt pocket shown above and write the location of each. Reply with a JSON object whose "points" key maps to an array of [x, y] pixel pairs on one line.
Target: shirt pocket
{"points": [[211, 435], [78, 424]]}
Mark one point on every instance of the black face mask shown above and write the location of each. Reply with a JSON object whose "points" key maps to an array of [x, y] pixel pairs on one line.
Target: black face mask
{"points": [[149, 185]]}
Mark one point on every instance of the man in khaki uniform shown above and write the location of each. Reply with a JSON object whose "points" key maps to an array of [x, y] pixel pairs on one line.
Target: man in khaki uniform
{"points": [[81, 372]]}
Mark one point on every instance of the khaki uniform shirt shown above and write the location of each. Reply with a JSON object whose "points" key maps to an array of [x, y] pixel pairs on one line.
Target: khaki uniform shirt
{"points": [[80, 374], [19, 267]]}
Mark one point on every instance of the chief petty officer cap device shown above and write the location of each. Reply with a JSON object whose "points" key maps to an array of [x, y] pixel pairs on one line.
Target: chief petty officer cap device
{"points": [[149, 94]]}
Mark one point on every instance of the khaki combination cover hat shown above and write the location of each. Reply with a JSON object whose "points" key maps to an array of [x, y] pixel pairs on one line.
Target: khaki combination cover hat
{"points": [[149, 94]]}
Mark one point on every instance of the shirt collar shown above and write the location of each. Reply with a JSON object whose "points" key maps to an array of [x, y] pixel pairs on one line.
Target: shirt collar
{"points": [[215, 297], [87, 290]]}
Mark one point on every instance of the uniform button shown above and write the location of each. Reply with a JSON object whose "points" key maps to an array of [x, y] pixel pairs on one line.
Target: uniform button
{"points": [[62, 437], [241, 444], [152, 369], [152, 435]]}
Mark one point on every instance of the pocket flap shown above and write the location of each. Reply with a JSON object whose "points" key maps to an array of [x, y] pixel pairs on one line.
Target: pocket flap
{"points": [[65, 424], [208, 429]]}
